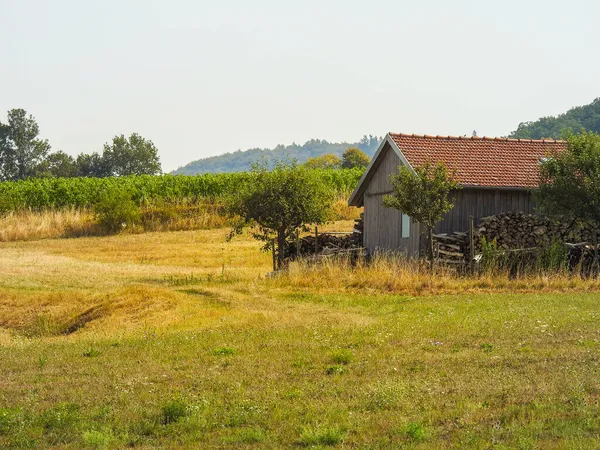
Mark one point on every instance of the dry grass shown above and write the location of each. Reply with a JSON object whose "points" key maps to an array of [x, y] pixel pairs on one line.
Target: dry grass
{"points": [[185, 344], [68, 223], [390, 274]]}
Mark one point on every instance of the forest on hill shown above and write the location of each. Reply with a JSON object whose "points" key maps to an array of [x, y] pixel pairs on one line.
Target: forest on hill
{"points": [[585, 117], [241, 161]]}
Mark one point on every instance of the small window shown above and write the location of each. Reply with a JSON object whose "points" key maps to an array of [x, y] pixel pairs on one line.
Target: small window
{"points": [[405, 226]]}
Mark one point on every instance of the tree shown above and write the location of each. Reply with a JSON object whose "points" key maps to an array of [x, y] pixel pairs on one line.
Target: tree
{"points": [[326, 161], [91, 165], [570, 180], [423, 195], [58, 164], [21, 152], [354, 157], [133, 156], [280, 203]]}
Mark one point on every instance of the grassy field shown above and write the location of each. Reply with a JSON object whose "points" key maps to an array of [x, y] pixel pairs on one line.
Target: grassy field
{"points": [[170, 340]]}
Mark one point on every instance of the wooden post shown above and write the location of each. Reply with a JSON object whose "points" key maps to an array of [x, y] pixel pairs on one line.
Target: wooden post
{"points": [[316, 240], [274, 255], [471, 245], [298, 244], [595, 238]]}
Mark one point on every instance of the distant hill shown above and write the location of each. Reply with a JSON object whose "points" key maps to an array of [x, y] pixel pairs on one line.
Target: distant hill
{"points": [[586, 117], [240, 161]]}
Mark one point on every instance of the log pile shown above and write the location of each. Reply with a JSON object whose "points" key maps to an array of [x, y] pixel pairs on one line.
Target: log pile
{"points": [[450, 248], [518, 230]]}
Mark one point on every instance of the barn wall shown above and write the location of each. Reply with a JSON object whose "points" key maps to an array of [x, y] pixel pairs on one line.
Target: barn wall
{"points": [[383, 226], [482, 203]]}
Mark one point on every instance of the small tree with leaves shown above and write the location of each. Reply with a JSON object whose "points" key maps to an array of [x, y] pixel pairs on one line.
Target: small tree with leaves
{"points": [[423, 194], [279, 203], [570, 181]]}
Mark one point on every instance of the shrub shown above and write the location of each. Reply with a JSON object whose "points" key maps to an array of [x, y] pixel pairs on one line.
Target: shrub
{"points": [[116, 210]]}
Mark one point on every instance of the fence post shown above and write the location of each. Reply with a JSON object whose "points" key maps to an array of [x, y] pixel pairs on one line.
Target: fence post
{"points": [[471, 245], [316, 240], [595, 238], [274, 256]]}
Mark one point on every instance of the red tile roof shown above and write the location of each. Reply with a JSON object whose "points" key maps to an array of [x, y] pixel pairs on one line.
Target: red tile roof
{"points": [[481, 161]]}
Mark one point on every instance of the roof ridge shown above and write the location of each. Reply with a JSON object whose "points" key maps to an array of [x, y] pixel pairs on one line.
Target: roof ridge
{"points": [[474, 138]]}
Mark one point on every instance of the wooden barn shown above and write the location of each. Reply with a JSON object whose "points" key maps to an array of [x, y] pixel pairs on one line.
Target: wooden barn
{"points": [[496, 175]]}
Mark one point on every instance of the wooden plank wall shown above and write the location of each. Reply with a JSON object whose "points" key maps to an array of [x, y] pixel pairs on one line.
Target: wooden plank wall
{"points": [[482, 203], [383, 226]]}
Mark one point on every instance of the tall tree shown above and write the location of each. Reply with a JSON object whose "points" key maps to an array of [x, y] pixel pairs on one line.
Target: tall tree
{"points": [[423, 195], [58, 164], [133, 156], [570, 180], [91, 165], [21, 151], [354, 157], [280, 203]]}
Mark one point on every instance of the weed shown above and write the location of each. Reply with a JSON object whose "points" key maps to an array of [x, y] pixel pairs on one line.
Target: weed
{"points": [[247, 436], [342, 357], [321, 435], [91, 353], [335, 370], [61, 423], [415, 432], [486, 347], [174, 410], [9, 417], [98, 439], [224, 351]]}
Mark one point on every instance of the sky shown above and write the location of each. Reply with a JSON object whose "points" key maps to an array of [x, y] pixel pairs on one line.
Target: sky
{"points": [[201, 78]]}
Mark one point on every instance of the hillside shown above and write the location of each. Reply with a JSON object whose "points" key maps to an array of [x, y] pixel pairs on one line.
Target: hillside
{"points": [[586, 117], [241, 160]]}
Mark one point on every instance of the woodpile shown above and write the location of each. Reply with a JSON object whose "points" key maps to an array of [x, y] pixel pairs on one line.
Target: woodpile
{"points": [[450, 248], [328, 243], [518, 230]]}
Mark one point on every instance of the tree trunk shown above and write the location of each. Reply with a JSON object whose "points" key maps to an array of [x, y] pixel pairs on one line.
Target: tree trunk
{"points": [[430, 247], [280, 249]]}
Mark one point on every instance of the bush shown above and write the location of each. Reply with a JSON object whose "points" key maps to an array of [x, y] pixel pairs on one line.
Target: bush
{"points": [[116, 210]]}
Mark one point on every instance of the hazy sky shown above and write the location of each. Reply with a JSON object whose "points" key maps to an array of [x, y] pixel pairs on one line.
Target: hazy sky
{"points": [[201, 78]]}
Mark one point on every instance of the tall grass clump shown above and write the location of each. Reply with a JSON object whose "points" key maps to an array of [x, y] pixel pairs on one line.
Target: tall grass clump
{"points": [[394, 273]]}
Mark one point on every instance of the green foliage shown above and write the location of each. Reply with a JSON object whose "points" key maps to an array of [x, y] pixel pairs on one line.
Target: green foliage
{"points": [[324, 436], [116, 210], [423, 195], [342, 357], [354, 157], [241, 161], [133, 156], [327, 161], [224, 351], [174, 410], [98, 439], [570, 180], [21, 151], [415, 431], [585, 117], [45, 193], [279, 202]]}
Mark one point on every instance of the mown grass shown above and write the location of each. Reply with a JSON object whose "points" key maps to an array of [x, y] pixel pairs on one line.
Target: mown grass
{"points": [[175, 340]]}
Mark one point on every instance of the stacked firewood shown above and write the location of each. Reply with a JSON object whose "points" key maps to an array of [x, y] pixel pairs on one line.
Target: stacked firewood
{"points": [[450, 248], [518, 230]]}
